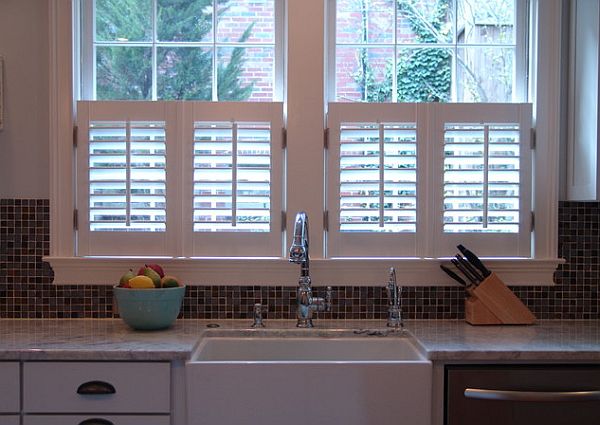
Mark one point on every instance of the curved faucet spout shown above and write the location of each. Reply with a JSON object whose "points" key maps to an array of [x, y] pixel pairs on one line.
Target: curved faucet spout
{"points": [[299, 249]]}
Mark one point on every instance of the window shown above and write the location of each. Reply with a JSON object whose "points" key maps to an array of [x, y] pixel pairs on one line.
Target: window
{"points": [[194, 50], [437, 50], [212, 191], [416, 180]]}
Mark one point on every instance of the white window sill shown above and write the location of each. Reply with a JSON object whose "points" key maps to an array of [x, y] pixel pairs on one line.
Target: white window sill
{"points": [[277, 271]]}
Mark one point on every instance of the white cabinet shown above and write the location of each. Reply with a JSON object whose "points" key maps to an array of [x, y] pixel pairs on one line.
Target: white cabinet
{"points": [[10, 392], [96, 393]]}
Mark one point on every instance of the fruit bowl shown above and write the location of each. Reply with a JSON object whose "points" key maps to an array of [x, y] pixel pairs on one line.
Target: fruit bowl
{"points": [[149, 309]]}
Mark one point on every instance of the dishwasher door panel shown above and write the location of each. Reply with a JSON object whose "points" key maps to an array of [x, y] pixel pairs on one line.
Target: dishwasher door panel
{"points": [[540, 382]]}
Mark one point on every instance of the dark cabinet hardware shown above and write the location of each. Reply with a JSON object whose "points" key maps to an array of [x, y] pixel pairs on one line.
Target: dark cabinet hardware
{"points": [[96, 387]]}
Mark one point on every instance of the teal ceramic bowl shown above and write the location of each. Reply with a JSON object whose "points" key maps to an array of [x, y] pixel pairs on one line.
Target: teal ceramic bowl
{"points": [[149, 309]]}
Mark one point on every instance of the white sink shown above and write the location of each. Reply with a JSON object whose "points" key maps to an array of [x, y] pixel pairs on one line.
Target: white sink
{"points": [[306, 349], [295, 378]]}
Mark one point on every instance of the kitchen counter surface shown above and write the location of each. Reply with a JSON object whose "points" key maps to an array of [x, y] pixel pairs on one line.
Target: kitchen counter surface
{"points": [[111, 339]]}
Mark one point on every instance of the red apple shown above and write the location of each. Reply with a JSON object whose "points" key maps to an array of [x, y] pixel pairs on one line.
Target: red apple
{"points": [[158, 269]]}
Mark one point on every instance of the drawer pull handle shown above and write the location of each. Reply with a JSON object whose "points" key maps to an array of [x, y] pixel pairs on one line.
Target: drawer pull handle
{"points": [[535, 396], [96, 421], [96, 387]]}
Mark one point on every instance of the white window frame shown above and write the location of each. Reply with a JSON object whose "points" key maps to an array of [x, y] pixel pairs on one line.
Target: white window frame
{"points": [[305, 108]]}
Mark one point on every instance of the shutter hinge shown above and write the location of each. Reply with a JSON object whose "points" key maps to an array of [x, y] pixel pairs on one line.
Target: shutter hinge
{"points": [[75, 131], [532, 136], [326, 220], [532, 220], [283, 138], [283, 221], [326, 138], [75, 219]]}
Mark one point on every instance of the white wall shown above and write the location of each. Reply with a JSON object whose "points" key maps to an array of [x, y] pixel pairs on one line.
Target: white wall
{"points": [[24, 140]]}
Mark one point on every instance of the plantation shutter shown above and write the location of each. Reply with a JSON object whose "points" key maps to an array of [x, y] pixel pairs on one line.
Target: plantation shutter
{"points": [[415, 180], [235, 192], [484, 201], [373, 182], [124, 151]]}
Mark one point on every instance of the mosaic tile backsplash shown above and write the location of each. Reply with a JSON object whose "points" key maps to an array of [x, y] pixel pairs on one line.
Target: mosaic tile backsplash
{"points": [[26, 289]]}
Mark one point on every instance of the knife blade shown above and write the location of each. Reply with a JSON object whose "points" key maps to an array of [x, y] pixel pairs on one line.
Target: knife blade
{"points": [[474, 259], [453, 275]]}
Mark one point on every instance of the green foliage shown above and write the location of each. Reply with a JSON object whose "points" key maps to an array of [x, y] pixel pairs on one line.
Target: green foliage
{"points": [[423, 75], [125, 72]]}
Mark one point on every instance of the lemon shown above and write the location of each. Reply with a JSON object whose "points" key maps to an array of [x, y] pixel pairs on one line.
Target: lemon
{"points": [[141, 282]]}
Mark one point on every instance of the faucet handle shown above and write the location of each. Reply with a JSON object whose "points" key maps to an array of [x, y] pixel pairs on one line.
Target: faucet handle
{"points": [[258, 316], [328, 298]]}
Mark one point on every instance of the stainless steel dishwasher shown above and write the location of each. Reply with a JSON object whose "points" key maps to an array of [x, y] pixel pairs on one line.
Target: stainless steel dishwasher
{"points": [[522, 395]]}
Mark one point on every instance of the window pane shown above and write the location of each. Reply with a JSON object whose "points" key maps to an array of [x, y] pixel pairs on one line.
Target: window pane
{"points": [[123, 20], [424, 21], [184, 73], [364, 74], [184, 20], [486, 22], [485, 74], [365, 21], [123, 73], [251, 21], [245, 73], [424, 75]]}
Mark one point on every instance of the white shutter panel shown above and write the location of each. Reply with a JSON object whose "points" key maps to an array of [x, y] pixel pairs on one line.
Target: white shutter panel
{"points": [[485, 198], [122, 178], [372, 180], [236, 188]]}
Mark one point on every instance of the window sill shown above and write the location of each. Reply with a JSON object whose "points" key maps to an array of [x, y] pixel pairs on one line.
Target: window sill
{"points": [[277, 271]]}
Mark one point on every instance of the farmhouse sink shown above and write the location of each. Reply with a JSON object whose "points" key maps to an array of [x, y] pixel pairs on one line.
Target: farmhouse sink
{"points": [[300, 377]]}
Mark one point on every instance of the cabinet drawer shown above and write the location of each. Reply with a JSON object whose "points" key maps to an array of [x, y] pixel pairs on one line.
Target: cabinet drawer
{"points": [[60, 387], [522, 395], [9, 419], [94, 420], [10, 388]]}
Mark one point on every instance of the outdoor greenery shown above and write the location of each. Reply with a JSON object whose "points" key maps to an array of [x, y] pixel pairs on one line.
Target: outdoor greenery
{"points": [[125, 72]]}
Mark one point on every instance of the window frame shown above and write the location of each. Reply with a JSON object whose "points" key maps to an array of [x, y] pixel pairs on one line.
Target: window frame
{"points": [[305, 107]]}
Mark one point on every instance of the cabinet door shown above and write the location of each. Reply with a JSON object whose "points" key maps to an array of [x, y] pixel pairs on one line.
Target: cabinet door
{"points": [[109, 387], [542, 381], [94, 420], [10, 387]]}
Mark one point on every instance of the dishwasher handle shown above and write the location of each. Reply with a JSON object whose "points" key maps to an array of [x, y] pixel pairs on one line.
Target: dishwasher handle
{"points": [[532, 396]]}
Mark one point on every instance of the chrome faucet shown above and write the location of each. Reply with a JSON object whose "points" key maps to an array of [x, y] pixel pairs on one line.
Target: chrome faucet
{"points": [[299, 255], [395, 304]]}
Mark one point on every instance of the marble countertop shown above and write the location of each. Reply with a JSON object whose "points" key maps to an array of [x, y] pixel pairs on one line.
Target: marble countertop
{"points": [[111, 339]]}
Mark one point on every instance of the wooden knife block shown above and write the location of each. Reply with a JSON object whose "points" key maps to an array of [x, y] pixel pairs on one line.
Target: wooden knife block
{"points": [[493, 303]]}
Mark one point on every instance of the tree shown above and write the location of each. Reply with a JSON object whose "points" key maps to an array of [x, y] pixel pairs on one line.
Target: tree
{"points": [[125, 72]]}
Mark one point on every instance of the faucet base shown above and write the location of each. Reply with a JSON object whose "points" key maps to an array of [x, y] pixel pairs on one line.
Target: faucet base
{"points": [[304, 323]]}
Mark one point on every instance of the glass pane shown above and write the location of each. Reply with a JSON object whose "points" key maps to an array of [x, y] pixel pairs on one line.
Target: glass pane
{"points": [[424, 75], [486, 22], [251, 21], [184, 20], [364, 74], [364, 21], [485, 74], [123, 73], [245, 73], [424, 21], [184, 73], [123, 20]]}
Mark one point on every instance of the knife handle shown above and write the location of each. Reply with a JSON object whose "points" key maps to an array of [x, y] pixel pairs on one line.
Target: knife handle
{"points": [[474, 259]]}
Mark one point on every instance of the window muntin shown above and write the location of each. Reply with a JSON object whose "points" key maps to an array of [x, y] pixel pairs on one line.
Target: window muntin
{"points": [[159, 49], [439, 51]]}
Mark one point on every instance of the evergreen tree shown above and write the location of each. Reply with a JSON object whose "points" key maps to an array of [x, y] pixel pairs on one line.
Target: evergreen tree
{"points": [[125, 72]]}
